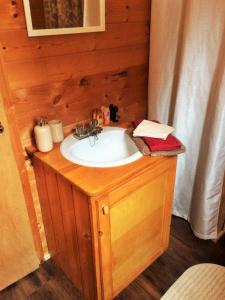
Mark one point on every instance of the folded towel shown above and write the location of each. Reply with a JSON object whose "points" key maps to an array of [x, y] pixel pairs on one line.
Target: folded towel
{"points": [[145, 149], [156, 144], [152, 129]]}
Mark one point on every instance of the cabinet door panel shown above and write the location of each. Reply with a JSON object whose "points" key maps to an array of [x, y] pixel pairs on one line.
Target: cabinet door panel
{"points": [[136, 228]]}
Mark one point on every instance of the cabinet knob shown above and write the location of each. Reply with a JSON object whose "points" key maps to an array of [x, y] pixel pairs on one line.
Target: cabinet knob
{"points": [[105, 210]]}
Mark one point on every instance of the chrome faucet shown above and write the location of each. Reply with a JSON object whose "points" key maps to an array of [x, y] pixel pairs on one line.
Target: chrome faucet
{"points": [[82, 131]]}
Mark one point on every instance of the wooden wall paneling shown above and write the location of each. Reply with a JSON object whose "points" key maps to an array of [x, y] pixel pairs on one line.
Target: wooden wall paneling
{"points": [[67, 76], [45, 63], [41, 47], [53, 69], [127, 11], [12, 15], [117, 11], [124, 88], [119, 35], [117, 86], [116, 35]]}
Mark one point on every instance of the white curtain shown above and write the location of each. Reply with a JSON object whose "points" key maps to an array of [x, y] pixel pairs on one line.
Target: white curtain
{"points": [[187, 90]]}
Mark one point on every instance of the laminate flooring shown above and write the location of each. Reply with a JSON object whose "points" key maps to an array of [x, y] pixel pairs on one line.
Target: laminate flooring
{"points": [[185, 250]]}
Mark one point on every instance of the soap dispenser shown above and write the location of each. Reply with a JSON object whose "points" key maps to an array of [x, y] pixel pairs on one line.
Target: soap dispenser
{"points": [[43, 135]]}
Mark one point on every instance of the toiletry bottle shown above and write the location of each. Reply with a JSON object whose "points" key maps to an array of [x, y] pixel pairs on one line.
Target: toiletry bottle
{"points": [[114, 113], [117, 117], [106, 115], [43, 135], [98, 115], [56, 130], [111, 112]]}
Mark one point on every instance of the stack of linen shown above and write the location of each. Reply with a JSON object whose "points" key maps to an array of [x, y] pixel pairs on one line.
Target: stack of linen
{"points": [[153, 138]]}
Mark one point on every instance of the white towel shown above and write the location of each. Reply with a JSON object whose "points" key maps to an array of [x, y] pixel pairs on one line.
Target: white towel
{"points": [[151, 129]]}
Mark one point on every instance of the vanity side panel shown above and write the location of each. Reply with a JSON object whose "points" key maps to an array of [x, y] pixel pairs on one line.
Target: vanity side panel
{"points": [[169, 200], [45, 207], [85, 245], [56, 216], [70, 231], [56, 198], [96, 235]]}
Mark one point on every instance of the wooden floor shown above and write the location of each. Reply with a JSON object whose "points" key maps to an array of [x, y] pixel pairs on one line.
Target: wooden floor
{"points": [[185, 250]]}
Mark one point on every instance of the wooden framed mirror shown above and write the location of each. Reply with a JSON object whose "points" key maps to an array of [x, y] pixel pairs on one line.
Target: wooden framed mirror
{"points": [[53, 17]]}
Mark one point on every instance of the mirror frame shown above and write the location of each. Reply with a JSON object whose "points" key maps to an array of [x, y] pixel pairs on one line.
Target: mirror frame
{"points": [[59, 31]]}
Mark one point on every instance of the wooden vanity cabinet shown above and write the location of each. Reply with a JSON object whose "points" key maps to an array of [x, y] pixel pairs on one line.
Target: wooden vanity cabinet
{"points": [[103, 241]]}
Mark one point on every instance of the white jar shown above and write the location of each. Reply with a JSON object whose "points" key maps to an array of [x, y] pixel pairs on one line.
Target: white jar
{"points": [[43, 136], [56, 130]]}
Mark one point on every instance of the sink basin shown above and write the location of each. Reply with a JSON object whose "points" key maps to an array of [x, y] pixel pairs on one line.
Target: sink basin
{"points": [[112, 147]]}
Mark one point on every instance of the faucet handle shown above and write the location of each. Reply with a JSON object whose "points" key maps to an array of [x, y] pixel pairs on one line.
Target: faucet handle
{"points": [[94, 123], [79, 129]]}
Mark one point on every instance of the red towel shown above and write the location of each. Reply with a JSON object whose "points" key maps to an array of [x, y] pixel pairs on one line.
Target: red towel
{"points": [[170, 143]]}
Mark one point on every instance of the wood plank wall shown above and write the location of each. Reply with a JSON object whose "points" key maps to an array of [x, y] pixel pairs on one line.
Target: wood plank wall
{"points": [[67, 76]]}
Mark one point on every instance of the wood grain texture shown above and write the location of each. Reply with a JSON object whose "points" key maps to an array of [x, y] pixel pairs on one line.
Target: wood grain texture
{"points": [[17, 150], [38, 213], [113, 208], [85, 242], [46, 75], [185, 250], [135, 228], [96, 181], [68, 231], [65, 77], [17, 252], [44, 202]]}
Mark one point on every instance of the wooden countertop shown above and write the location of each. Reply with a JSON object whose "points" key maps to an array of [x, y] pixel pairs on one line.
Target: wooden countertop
{"points": [[96, 181]]}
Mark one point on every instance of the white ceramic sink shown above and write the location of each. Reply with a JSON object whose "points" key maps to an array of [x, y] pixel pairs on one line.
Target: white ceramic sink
{"points": [[112, 148]]}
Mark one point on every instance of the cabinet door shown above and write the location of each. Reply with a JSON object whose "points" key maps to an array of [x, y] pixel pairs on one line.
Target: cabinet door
{"points": [[134, 223]]}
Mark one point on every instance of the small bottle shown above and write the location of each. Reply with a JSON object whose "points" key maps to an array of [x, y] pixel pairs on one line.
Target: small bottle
{"points": [[98, 115], [43, 135], [106, 115], [56, 130]]}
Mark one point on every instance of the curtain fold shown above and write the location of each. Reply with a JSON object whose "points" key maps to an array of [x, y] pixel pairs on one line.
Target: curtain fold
{"points": [[187, 90], [63, 13]]}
